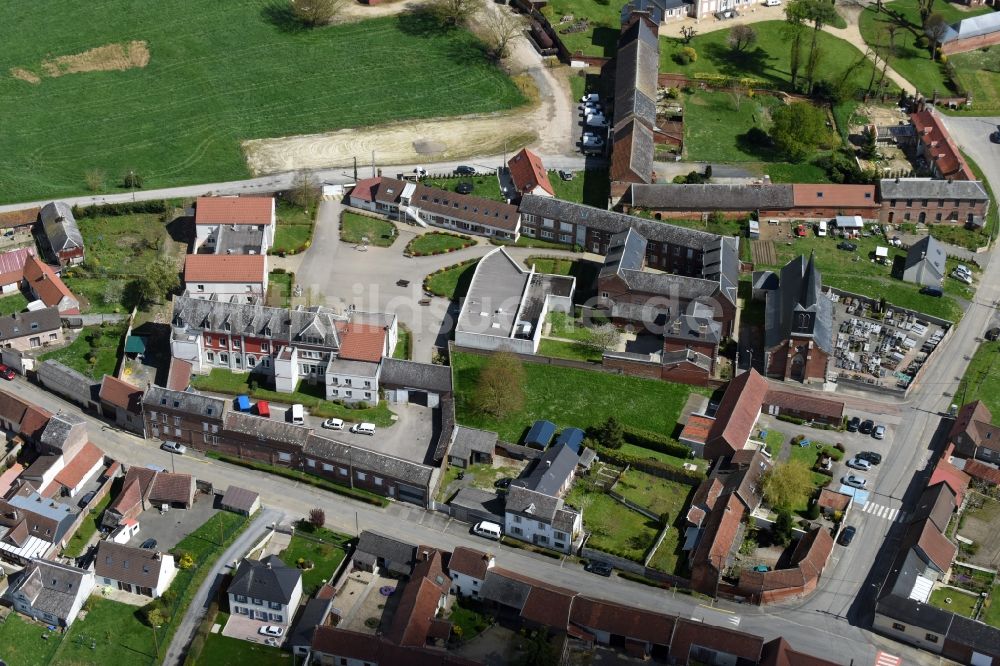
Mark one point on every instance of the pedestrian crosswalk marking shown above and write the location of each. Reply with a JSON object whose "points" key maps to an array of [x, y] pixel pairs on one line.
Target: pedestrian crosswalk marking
{"points": [[892, 514], [885, 659]]}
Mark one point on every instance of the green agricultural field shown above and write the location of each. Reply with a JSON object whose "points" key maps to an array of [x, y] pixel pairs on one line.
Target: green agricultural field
{"points": [[912, 62], [715, 121], [110, 634], [205, 77], [979, 73], [571, 397]]}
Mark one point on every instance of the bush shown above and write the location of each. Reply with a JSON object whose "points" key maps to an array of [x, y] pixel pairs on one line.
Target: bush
{"points": [[651, 466], [118, 209], [840, 447], [922, 42], [655, 442], [813, 512], [791, 419], [691, 54]]}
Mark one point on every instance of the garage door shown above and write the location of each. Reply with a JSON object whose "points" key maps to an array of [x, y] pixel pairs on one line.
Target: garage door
{"points": [[418, 398], [412, 494]]}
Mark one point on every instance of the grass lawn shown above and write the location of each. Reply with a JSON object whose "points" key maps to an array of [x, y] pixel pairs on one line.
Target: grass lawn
{"points": [[913, 63], [119, 249], [571, 397], [466, 621], [453, 281], [982, 379], [221, 650], [642, 452], [591, 187], [99, 343], [22, 642], [583, 270], [437, 242], [79, 540], [979, 73], [721, 227], [13, 303], [404, 338], [354, 228], [293, 230], [962, 603], [773, 441], [573, 351], [117, 634], [658, 495], [483, 185], [279, 289], [326, 557], [991, 615], [613, 527], [220, 380], [217, 74], [840, 270], [600, 38], [714, 124], [481, 476]]}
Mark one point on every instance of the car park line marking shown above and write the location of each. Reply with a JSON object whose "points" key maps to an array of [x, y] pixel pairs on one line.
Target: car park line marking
{"points": [[885, 659]]}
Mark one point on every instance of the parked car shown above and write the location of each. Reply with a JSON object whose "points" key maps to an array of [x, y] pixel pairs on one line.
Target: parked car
{"points": [[148, 544], [420, 171], [858, 463], [995, 136], [599, 568], [772, 3], [866, 427], [932, 291], [847, 245], [855, 481], [464, 188], [485, 528], [870, 456], [879, 432], [762, 568], [85, 500], [503, 483], [961, 277], [847, 535], [333, 424], [566, 175], [993, 334], [590, 97], [962, 268], [895, 241], [271, 630], [591, 141], [464, 170], [853, 424], [6, 372], [173, 447]]}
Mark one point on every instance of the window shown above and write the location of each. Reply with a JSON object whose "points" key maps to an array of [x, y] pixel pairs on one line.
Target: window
{"points": [[263, 345], [258, 602], [210, 356], [378, 481], [223, 358], [240, 598], [362, 476], [152, 416], [177, 420], [368, 384], [898, 627], [251, 361], [201, 287], [177, 432], [517, 531], [342, 470], [284, 457], [35, 342], [924, 203], [604, 294], [940, 203], [236, 343], [274, 606], [368, 394], [559, 535], [546, 234], [541, 525], [227, 327], [310, 462], [517, 519], [931, 637], [53, 336], [327, 467]]}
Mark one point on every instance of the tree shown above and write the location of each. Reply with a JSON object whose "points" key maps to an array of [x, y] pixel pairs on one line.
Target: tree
{"points": [[819, 13], [741, 37], [926, 8], [794, 16], [305, 190], [782, 530], [936, 28], [687, 32], [160, 279], [313, 13], [453, 13], [536, 650], [610, 433], [737, 93], [95, 179], [869, 149], [132, 180], [113, 290], [605, 337], [787, 484], [889, 31], [798, 129], [502, 28], [500, 387], [317, 517]]}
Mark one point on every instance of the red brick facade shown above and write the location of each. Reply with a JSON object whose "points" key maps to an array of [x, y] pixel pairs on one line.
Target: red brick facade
{"points": [[799, 360], [971, 44], [931, 210]]}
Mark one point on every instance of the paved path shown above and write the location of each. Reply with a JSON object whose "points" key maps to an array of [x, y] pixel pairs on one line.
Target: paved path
{"points": [[199, 604], [852, 34]]}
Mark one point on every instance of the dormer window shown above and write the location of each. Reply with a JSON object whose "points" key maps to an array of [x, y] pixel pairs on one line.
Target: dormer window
{"points": [[227, 327]]}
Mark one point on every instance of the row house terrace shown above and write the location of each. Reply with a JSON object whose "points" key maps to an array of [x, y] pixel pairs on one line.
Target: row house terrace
{"points": [[341, 351], [419, 204]]}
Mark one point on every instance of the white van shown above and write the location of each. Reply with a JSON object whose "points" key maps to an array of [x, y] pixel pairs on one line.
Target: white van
{"points": [[363, 428], [487, 529], [298, 414], [821, 229], [772, 3]]}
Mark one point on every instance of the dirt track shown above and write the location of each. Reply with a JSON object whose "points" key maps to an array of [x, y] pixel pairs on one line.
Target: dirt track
{"points": [[547, 126]]}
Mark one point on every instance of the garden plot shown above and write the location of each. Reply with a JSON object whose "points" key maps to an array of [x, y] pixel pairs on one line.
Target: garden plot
{"points": [[978, 525]]}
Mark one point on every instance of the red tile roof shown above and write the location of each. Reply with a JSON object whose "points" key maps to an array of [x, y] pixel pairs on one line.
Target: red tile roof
{"points": [[12, 264], [233, 210], [223, 268], [19, 218], [21, 413], [854, 196], [831, 499], [73, 473], [697, 428], [982, 471], [418, 605], [362, 342], [779, 653], [49, 286], [939, 147], [179, 375], [365, 189], [628, 621], [704, 499], [7, 478], [170, 487], [956, 479], [717, 539], [935, 545], [690, 633], [805, 402], [473, 563], [548, 606], [121, 394], [371, 648], [135, 488], [737, 414], [528, 172]]}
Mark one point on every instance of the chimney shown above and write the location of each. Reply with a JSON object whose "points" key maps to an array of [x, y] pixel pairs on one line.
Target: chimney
{"points": [[702, 330], [268, 564], [676, 326], [548, 463]]}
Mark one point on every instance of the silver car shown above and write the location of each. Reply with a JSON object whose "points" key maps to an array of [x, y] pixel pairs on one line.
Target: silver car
{"points": [[855, 481], [858, 463]]}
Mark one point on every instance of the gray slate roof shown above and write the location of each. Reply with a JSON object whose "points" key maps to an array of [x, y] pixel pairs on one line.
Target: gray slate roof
{"points": [[377, 463], [479, 500], [636, 140], [67, 382], [240, 499], [52, 588], [914, 613], [540, 507], [928, 188], [410, 374], [468, 440], [59, 429], [688, 325], [185, 401], [637, 63], [711, 196], [626, 251], [504, 590], [937, 502], [271, 429], [798, 306], [35, 322], [550, 471], [398, 555], [313, 614], [269, 579], [925, 262], [60, 226], [494, 296], [974, 26]]}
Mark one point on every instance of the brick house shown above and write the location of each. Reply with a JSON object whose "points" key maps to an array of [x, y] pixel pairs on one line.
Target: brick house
{"points": [[830, 200], [637, 63], [927, 201], [681, 201], [528, 174], [974, 435], [45, 285], [970, 34], [936, 147], [797, 580], [736, 416], [122, 403]]}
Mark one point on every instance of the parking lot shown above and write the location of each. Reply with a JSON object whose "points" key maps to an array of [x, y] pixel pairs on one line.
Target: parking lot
{"points": [[169, 527], [411, 438]]}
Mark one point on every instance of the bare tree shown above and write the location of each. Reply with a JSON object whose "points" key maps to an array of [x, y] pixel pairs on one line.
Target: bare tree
{"points": [[305, 190], [889, 51], [605, 337], [936, 28], [737, 93], [453, 13], [926, 8], [503, 28], [687, 32], [741, 37], [95, 179], [317, 517], [316, 12]]}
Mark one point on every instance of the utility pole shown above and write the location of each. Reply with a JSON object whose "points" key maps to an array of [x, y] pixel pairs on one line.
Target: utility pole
{"points": [[373, 164], [355, 168]]}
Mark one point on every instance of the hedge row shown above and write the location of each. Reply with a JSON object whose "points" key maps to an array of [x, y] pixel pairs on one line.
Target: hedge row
{"points": [[636, 578], [655, 441], [355, 493], [524, 545], [652, 466], [116, 209]]}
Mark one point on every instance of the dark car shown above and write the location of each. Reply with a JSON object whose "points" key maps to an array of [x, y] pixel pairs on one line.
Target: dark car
{"points": [[464, 188], [847, 535], [599, 568], [847, 245], [503, 483], [993, 334], [566, 175], [465, 171], [85, 500], [870, 456], [995, 136], [148, 544], [866, 427], [6, 373], [932, 291], [853, 424]]}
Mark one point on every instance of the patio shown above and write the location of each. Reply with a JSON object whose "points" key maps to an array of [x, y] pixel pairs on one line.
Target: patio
{"points": [[246, 629]]}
